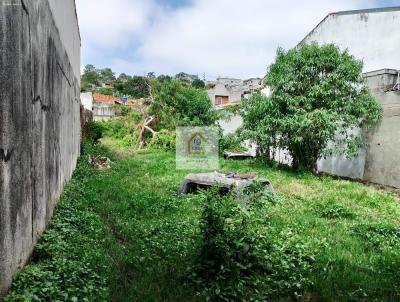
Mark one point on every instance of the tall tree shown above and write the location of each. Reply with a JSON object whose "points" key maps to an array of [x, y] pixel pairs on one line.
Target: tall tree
{"points": [[318, 98], [137, 87], [107, 75], [175, 104], [197, 83], [90, 77]]}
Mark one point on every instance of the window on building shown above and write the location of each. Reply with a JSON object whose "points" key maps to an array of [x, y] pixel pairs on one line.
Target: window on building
{"points": [[218, 100]]}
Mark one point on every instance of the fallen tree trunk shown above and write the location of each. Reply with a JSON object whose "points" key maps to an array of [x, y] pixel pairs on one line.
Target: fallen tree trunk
{"points": [[146, 127]]}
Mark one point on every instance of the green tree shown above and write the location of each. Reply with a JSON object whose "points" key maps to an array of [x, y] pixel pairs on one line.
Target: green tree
{"points": [[318, 98], [136, 87], [90, 77], [197, 83], [107, 75], [123, 77], [175, 104]]}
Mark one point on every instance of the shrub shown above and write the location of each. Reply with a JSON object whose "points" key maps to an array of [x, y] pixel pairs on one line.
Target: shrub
{"points": [[123, 128], [231, 143], [240, 259], [334, 211], [93, 132], [164, 140], [175, 105]]}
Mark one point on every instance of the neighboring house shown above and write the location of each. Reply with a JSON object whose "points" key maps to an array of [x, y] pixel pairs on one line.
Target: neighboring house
{"points": [[226, 91], [107, 85], [369, 35], [105, 107], [87, 100]]}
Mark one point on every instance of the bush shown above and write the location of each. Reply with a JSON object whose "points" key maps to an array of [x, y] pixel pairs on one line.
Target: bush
{"points": [[105, 91], [164, 140], [93, 132], [123, 128], [241, 260], [231, 143]]}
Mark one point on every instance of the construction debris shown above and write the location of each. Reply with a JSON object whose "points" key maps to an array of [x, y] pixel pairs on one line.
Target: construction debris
{"points": [[100, 162], [238, 155], [227, 182]]}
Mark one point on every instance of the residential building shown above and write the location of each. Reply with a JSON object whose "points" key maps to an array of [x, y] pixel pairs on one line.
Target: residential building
{"points": [[227, 91], [105, 107]]}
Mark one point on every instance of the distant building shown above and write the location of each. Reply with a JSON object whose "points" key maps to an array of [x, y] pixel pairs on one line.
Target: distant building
{"points": [[107, 85], [105, 107], [227, 91]]}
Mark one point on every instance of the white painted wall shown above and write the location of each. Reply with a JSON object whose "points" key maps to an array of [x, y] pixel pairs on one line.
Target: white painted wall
{"points": [[372, 37], [230, 125], [64, 13], [87, 100]]}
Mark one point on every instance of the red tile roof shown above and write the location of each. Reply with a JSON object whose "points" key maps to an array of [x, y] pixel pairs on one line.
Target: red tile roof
{"points": [[101, 98]]}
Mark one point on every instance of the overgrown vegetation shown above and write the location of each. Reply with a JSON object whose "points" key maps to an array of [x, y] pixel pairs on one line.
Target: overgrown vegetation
{"points": [[239, 255], [124, 235], [318, 101], [175, 104]]}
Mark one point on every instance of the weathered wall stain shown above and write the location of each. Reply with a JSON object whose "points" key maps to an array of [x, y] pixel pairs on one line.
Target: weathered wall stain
{"points": [[5, 155], [39, 123]]}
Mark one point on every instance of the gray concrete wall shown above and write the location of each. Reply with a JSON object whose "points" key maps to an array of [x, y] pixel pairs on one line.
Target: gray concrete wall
{"points": [[39, 124], [378, 161]]}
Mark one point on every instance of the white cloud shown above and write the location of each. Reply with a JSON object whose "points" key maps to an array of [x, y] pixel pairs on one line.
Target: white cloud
{"points": [[106, 23], [218, 37]]}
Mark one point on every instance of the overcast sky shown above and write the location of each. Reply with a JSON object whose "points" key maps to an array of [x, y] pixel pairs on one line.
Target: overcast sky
{"points": [[235, 38]]}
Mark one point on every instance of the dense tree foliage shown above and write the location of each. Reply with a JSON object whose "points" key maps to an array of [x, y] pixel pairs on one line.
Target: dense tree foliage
{"points": [[90, 77], [197, 83], [176, 104], [136, 87], [106, 75], [318, 99]]}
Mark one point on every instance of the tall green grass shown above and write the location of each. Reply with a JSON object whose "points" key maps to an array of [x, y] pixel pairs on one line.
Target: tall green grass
{"points": [[124, 235]]}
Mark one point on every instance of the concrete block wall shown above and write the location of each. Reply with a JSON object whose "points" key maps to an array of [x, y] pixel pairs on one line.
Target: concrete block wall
{"points": [[39, 123], [377, 163]]}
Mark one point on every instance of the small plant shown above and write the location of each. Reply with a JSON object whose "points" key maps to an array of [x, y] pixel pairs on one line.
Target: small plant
{"points": [[380, 236], [335, 211], [164, 140]]}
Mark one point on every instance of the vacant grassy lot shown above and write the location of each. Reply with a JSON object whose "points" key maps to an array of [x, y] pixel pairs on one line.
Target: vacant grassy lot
{"points": [[124, 235]]}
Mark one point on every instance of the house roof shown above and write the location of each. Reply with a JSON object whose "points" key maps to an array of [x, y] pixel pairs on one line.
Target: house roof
{"points": [[102, 98], [351, 12]]}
